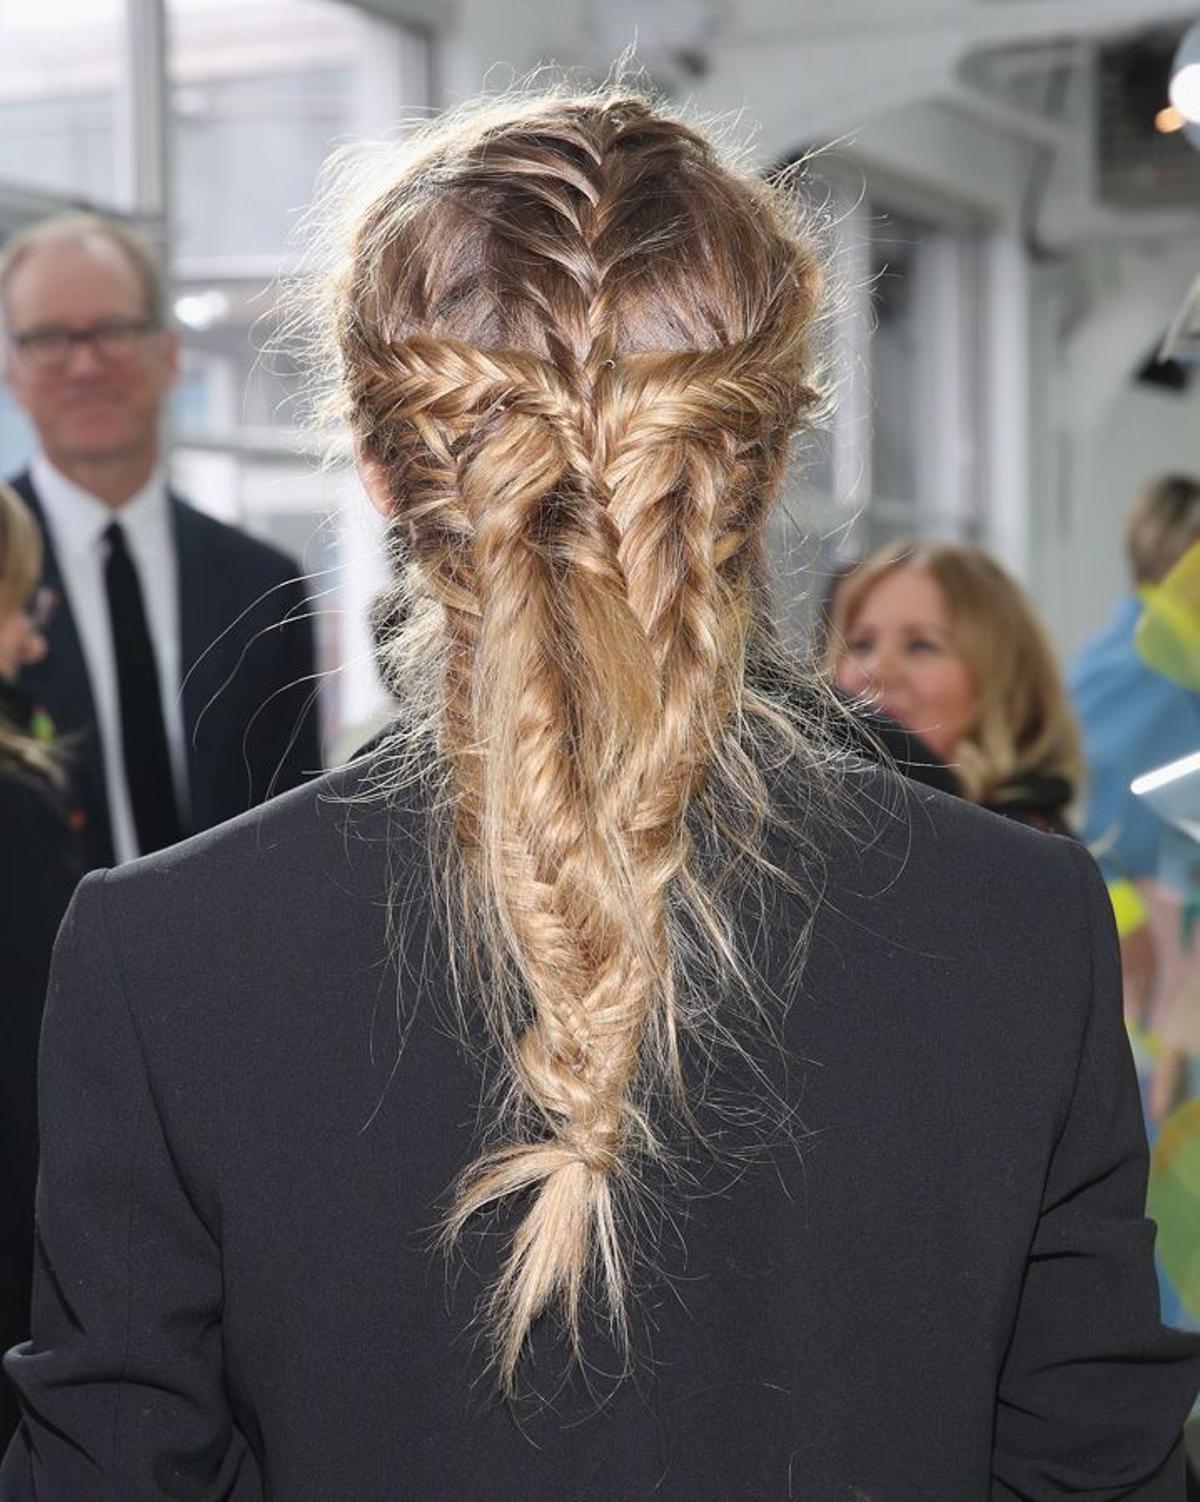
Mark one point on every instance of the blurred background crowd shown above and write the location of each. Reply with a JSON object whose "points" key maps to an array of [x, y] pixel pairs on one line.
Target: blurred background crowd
{"points": [[992, 540]]}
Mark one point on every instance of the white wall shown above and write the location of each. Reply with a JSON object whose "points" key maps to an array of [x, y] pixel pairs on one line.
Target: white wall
{"points": [[1143, 433], [1101, 436]]}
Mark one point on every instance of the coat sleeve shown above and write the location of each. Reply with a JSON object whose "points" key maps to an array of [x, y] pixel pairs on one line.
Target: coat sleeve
{"points": [[121, 1385], [1094, 1390]]}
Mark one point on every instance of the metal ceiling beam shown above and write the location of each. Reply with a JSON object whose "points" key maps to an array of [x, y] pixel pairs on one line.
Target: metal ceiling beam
{"points": [[1027, 125], [978, 22]]}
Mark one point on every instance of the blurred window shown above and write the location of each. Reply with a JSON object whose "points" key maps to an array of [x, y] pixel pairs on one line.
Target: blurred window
{"points": [[925, 380], [900, 453], [262, 91], [247, 152], [63, 67]]}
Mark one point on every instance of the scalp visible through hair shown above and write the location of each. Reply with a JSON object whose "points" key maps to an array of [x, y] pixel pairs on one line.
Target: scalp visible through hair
{"points": [[582, 435]]}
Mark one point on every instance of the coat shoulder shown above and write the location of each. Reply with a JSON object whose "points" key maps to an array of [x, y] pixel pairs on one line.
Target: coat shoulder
{"points": [[877, 817], [317, 859], [926, 872]]}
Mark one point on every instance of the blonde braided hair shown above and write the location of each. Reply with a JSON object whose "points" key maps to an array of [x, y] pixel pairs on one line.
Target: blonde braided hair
{"points": [[575, 344]]}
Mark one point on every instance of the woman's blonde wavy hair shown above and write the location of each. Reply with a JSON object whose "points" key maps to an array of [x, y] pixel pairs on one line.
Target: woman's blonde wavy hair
{"points": [[572, 345], [20, 570], [1024, 724]]}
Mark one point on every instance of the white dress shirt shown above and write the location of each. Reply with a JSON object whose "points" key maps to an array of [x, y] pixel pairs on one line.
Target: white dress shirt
{"points": [[77, 522]]}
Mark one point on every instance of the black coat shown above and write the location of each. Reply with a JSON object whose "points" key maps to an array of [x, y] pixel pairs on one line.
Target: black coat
{"points": [[40, 864], [1041, 800], [247, 665], [912, 756], [940, 1290]]}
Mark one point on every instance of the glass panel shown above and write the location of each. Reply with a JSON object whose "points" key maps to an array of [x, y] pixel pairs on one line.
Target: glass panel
{"points": [[16, 436], [236, 384], [321, 518], [63, 63], [262, 90], [894, 361], [229, 202], [925, 381]]}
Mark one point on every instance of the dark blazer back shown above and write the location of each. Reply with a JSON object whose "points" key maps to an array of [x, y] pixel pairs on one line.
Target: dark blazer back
{"points": [[248, 671], [934, 1286]]}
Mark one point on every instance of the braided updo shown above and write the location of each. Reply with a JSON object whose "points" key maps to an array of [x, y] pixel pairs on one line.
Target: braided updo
{"points": [[574, 345]]}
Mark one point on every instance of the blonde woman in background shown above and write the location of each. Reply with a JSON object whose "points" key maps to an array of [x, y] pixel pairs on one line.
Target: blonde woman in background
{"points": [[532, 969], [940, 638], [40, 864]]}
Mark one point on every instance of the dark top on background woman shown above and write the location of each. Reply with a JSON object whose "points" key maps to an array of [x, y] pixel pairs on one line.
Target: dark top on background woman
{"points": [[910, 755], [1039, 801], [40, 863], [774, 1116]]}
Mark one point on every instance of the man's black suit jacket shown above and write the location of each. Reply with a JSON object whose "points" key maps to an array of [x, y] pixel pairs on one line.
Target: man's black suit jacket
{"points": [[932, 1283], [247, 669]]}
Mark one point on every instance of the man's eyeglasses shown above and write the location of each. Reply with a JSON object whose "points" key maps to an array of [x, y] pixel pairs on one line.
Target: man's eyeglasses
{"points": [[49, 346]]}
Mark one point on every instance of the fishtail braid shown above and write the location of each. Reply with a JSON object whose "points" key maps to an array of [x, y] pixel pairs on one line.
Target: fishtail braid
{"points": [[559, 724], [580, 412]]}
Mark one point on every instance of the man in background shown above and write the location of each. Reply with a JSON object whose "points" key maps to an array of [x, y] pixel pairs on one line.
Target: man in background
{"points": [[180, 670]]}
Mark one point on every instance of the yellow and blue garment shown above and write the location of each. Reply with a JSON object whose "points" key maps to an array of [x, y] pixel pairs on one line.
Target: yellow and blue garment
{"points": [[1133, 719]]}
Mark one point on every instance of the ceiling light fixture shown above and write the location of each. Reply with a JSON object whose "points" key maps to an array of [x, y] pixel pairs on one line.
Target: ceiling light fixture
{"points": [[1184, 89]]}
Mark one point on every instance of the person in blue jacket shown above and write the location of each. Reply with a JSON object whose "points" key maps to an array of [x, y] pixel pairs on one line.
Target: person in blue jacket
{"points": [[1133, 719]]}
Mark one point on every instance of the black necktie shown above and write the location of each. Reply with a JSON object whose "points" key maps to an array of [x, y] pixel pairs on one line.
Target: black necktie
{"points": [[143, 731]]}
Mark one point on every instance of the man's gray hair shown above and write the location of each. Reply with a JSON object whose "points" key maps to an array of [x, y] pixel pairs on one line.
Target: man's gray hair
{"points": [[79, 228]]}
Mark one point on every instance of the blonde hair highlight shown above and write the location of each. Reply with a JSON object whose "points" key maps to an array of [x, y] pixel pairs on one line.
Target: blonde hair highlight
{"points": [[20, 570], [1024, 723], [573, 343], [1163, 523]]}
